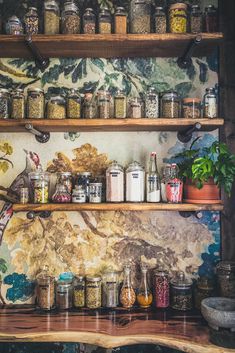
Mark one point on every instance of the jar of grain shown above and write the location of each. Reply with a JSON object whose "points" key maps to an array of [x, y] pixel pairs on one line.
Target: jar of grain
{"points": [[225, 271], [56, 107], [195, 19], [210, 104], [211, 19], [35, 103], [140, 21], [105, 21], [127, 294], [104, 104], [79, 291], [170, 104], [4, 103], [181, 293], [45, 290], [74, 105], [64, 295], [160, 20], [120, 105], [14, 26], [178, 18], [31, 21], [70, 19], [93, 292], [89, 106], [151, 104], [51, 17], [136, 108], [89, 21], [120, 21], [191, 108], [18, 104]]}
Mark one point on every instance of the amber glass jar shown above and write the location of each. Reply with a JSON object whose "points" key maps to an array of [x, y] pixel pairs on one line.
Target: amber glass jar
{"points": [[120, 21]]}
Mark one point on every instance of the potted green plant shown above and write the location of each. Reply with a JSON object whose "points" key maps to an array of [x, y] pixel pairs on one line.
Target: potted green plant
{"points": [[205, 171]]}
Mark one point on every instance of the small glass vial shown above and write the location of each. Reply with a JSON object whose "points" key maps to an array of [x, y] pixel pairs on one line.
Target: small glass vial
{"points": [[35, 103], [4, 103], [135, 182], [181, 293], [70, 19], [61, 195], [170, 103], [136, 108], [211, 19], [79, 292], [95, 192], [89, 106], [56, 107], [225, 271], [64, 295], [105, 21], [18, 104], [210, 104], [115, 183], [74, 105], [174, 186], [89, 21], [191, 108], [178, 18], [151, 104], [79, 194], [51, 17], [39, 182], [127, 294], [120, 105], [144, 295], [204, 289], [93, 292], [140, 16], [110, 289], [161, 288], [195, 19], [31, 21], [120, 21], [45, 290], [24, 195], [14, 26], [104, 104], [66, 179], [160, 20]]}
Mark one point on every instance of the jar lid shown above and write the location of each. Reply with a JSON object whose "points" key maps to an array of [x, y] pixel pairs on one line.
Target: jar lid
{"points": [[57, 97], [44, 274], [79, 277], [169, 94], [210, 89], [62, 284], [35, 89], [74, 91], [66, 174], [135, 166], [89, 9], [19, 91], [181, 281], [226, 266], [84, 174], [14, 19], [160, 272], [104, 10], [120, 9], [178, 5], [4, 91], [39, 175], [159, 8], [205, 283], [115, 165], [210, 7], [95, 184], [195, 7], [191, 100], [93, 278]]}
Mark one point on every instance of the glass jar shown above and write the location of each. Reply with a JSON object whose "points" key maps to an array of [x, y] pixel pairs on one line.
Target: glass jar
{"points": [[31, 21], [89, 106], [144, 295], [174, 186], [136, 108], [93, 292], [24, 195], [210, 104], [105, 21], [39, 182], [178, 18], [127, 294], [115, 183], [170, 103], [211, 19], [110, 289], [79, 194], [4, 103], [61, 194], [181, 293], [70, 19], [66, 179], [83, 179], [225, 271], [166, 176], [45, 290], [89, 21], [120, 105], [79, 292], [161, 289], [160, 20], [18, 104], [56, 107], [120, 21], [95, 192], [135, 183], [191, 108], [51, 17], [64, 295], [14, 26], [35, 103], [140, 21], [104, 104], [74, 105], [151, 104], [204, 289], [195, 19]]}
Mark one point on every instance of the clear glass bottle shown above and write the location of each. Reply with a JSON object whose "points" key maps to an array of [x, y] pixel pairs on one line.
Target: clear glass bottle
{"points": [[14, 26], [115, 183], [191, 108], [174, 186], [140, 16], [153, 192], [89, 21], [89, 106], [225, 271], [45, 290], [120, 105], [104, 104], [127, 294], [18, 104], [160, 20], [170, 104], [64, 295], [4, 103], [161, 288], [51, 17], [135, 182], [136, 108], [35, 103], [31, 21], [39, 182], [93, 292], [95, 192], [211, 23], [166, 176], [178, 22], [56, 107], [120, 21], [105, 21], [66, 179], [110, 289], [144, 295], [151, 104], [181, 293], [70, 19], [195, 19], [204, 289], [79, 292], [74, 104], [210, 104], [61, 195]]}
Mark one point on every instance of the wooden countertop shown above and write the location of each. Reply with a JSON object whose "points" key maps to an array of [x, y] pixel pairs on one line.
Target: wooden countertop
{"points": [[184, 331]]}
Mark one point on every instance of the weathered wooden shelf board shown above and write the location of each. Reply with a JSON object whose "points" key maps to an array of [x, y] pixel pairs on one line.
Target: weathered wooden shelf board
{"points": [[109, 45], [81, 125]]}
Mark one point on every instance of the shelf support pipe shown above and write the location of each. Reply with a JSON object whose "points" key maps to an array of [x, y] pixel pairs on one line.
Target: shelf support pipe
{"points": [[185, 61], [41, 63], [40, 136], [186, 135], [42, 214]]}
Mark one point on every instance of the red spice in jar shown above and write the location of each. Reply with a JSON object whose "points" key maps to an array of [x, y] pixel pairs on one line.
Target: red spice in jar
{"points": [[161, 289]]}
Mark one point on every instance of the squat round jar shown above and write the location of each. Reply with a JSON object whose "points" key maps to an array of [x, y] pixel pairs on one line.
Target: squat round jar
{"points": [[170, 105], [18, 104], [226, 278], [89, 21], [35, 103], [56, 107], [181, 293], [14, 26], [191, 108], [93, 292], [178, 18]]}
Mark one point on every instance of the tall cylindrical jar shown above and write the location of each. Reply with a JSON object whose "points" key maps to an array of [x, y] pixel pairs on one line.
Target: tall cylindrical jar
{"points": [[64, 295], [104, 104], [211, 19], [136, 108], [226, 278], [70, 19], [45, 290], [170, 105], [210, 104], [89, 21], [127, 294], [140, 20], [79, 292], [31, 21], [161, 289], [89, 106], [181, 293], [18, 104], [195, 19], [35, 103], [135, 183], [120, 105], [74, 105], [120, 21], [178, 18], [56, 107], [4, 103], [115, 183], [151, 104], [51, 17], [160, 20], [105, 21], [39, 182], [93, 292], [110, 289], [204, 288]]}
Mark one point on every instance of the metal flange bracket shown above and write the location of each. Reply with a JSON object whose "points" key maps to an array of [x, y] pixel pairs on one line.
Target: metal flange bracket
{"points": [[42, 214], [185, 61], [187, 214], [186, 135], [41, 136], [41, 63]]}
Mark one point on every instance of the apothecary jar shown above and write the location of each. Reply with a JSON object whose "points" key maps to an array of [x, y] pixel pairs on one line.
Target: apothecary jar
{"points": [[140, 19]]}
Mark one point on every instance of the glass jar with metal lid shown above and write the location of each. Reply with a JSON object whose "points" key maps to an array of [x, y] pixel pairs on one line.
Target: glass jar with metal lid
{"points": [[35, 103], [64, 295], [51, 17], [181, 293], [66, 179], [115, 183], [195, 19], [211, 19], [74, 104], [89, 106], [70, 19], [93, 292], [14, 26], [83, 179], [161, 288], [225, 271], [135, 182], [191, 108], [210, 104], [79, 194], [39, 182], [56, 107], [170, 105], [104, 104], [31, 21], [4, 103], [204, 289], [120, 105], [178, 18], [110, 289], [79, 291], [61, 195], [18, 104], [45, 290], [136, 108], [160, 20], [151, 104], [140, 21], [105, 21], [89, 21], [120, 21], [95, 192]]}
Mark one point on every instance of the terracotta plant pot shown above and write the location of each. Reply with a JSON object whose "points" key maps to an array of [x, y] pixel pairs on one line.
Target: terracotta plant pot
{"points": [[209, 193]]}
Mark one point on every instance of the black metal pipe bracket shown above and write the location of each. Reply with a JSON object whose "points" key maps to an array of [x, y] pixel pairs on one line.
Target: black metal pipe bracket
{"points": [[41, 63], [186, 135], [185, 61], [41, 136], [187, 214], [42, 214]]}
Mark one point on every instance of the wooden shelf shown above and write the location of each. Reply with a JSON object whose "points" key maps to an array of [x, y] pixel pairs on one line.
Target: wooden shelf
{"points": [[109, 45], [80, 125]]}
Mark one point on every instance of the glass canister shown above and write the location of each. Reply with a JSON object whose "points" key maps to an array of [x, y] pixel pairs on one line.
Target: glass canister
{"points": [[35, 103], [115, 183], [70, 19], [140, 16], [195, 19], [24, 195], [79, 291], [104, 104], [4, 103], [160, 20], [95, 192], [170, 104], [66, 179], [127, 294], [64, 295], [56, 107], [14, 26], [151, 104], [135, 183], [61, 195], [74, 105], [110, 289], [144, 294], [31, 21], [161, 288], [191, 108], [39, 182], [174, 186], [45, 290], [225, 271], [120, 21], [105, 21], [89, 21], [166, 176], [178, 18], [51, 17], [89, 106], [83, 179], [120, 105], [210, 104], [136, 108], [211, 19], [204, 289], [181, 293], [93, 292], [18, 104], [79, 194]]}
